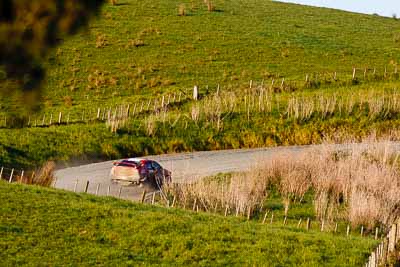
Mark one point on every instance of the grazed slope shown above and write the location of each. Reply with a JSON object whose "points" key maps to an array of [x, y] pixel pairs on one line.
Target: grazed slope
{"points": [[239, 41], [44, 226], [140, 49]]}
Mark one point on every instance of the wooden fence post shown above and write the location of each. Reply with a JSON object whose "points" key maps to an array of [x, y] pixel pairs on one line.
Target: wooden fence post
{"points": [[373, 259], [143, 196], [392, 238], [385, 250], [32, 177], [265, 216], [11, 176], [76, 185], [87, 186], [97, 189], [22, 176], [194, 204], [173, 201], [134, 110], [299, 223], [195, 92], [248, 213], [119, 192]]}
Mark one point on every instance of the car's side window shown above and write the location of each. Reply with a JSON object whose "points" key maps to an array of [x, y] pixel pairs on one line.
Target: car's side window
{"points": [[149, 166], [156, 165]]}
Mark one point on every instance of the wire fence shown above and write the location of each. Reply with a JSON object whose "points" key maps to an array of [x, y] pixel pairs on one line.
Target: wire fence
{"points": [[382, 255], [97, 114], [113, 114], [12, 175]]}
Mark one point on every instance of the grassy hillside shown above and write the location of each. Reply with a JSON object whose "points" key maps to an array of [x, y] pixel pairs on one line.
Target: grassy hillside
{"points": [[144, 47], [138, 51], [48, 227]]}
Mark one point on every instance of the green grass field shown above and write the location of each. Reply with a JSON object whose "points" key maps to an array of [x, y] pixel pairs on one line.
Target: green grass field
{"points": [[42, 226], [138, 51]]}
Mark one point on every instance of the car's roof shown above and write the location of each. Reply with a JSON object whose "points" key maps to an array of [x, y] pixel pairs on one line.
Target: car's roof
{"points": [[135, 159]]}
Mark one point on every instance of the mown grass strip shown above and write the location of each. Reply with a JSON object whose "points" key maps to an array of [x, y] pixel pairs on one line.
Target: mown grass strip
{"points": [[50, 227]]}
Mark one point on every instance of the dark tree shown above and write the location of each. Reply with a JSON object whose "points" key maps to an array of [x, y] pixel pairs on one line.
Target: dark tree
{"points": [[29, 29]]}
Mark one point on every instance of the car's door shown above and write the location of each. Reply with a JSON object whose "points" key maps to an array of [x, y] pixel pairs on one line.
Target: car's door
{"points": [[158, 169], [159, 173], [150, 170]]}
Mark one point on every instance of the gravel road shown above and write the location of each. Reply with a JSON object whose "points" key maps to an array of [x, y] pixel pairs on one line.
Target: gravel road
{"points": [[184, 166]]}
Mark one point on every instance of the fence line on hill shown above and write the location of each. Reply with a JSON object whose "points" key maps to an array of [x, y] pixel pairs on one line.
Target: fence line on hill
{"points": [[157, 197], [11, 174], [112, 114], [385, 251], [101, 114], [381, 255]]}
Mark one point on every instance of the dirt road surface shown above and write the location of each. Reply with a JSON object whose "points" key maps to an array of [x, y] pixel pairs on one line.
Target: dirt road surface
{"points": [[184, 166]]}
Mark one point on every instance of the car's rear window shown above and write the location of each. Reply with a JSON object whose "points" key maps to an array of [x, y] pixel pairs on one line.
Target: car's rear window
{"points": [[127, 164]]}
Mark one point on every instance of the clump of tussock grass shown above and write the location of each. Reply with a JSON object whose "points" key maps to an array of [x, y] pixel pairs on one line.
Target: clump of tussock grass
{"points": [[44, 176], [359, 183], [182, 10], [136, 43], [210, 5], [396, 38], [101, 40]]}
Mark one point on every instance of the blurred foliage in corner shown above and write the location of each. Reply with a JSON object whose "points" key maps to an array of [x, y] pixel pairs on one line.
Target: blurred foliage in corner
{"points": [[28, 29]]}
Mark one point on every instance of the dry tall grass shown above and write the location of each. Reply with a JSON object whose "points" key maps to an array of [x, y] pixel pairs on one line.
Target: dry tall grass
{"points": [[182, 10], [43, 176], [359, 183]]}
